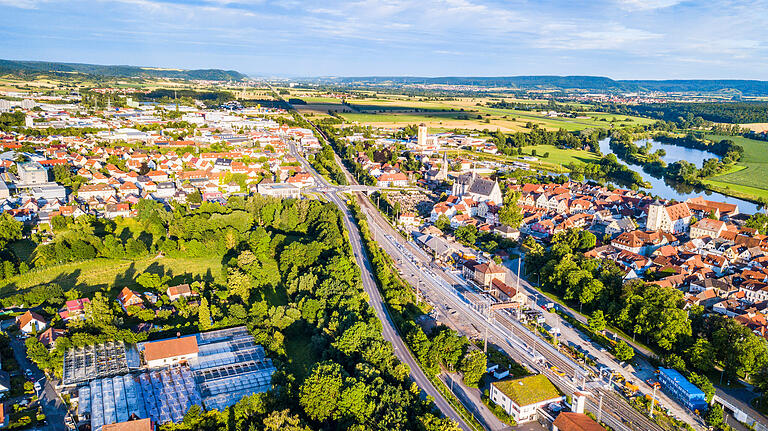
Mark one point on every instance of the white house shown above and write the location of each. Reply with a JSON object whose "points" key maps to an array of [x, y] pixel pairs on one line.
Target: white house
{"points": [[521, 398], [30, 322], [172, 351]]}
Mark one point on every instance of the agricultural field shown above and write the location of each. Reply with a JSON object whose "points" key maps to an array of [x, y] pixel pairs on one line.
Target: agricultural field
{"points": [[752, 178], [466, 114]]}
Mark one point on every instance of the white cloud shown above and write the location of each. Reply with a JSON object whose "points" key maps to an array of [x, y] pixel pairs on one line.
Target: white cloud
{"points": [[21, 4], [645, 5]]}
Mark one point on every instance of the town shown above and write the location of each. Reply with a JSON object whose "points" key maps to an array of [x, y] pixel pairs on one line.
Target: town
{"points": [[176, 181]]}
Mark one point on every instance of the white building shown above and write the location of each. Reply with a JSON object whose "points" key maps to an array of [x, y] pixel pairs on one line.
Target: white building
{"points": [[30, 322], [671, 219], [421, 138], [521, 398], [168, 352]]}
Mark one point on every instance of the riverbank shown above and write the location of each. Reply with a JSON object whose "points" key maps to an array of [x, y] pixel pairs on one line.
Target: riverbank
{"points": [[668, 189]]}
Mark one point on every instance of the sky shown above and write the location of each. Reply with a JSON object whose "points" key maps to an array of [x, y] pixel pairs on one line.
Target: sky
{"points": [[621, 39]]}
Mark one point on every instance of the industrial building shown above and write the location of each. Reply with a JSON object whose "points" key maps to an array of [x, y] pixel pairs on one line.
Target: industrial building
{"points": [[162, 379], [682, 390]]}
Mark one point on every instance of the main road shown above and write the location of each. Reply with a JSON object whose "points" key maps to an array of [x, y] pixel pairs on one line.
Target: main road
{"points": [[503, 331], [389, 331]]}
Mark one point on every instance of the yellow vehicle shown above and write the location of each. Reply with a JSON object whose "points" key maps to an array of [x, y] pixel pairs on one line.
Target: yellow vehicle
{"points": [[631, 387], [557, 371]]}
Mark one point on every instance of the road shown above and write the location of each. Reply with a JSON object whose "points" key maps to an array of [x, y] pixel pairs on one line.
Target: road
{"points": [[53, 408], [506, 332], [503, 330], [640, 371], [389, 331]]}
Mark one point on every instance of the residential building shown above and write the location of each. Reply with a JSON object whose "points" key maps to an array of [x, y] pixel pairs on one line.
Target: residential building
{"points": [[671, 219], [176, 292], [49, 336], [485, 273], [74, 308], [707, 227], [396, 179], [131, 425], [169, 352], [128, 298], [31, 322], [32, 173]]}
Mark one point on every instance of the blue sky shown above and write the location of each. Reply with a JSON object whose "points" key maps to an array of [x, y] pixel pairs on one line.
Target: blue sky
{"points": [[622, 39]]}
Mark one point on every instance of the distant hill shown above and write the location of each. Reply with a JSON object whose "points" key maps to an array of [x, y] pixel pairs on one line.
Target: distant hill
{"points": [[36, 67], [590, 83]]}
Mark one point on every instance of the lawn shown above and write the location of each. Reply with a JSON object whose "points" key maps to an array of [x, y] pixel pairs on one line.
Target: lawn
{"points": [[100, 274], [557, 160], [753, 178]]}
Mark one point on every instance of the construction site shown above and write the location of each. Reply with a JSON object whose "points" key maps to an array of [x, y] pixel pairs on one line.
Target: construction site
{"points": [[115, 383]]}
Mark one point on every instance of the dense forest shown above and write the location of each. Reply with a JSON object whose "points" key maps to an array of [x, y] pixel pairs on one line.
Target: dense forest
{"points": [[732, 112]]}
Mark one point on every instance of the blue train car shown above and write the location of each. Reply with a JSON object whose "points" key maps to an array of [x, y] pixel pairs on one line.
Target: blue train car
{"points": [[682, 390]]}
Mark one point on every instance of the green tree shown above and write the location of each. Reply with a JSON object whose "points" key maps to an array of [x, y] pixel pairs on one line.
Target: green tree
{"points": [[473, 367], [204, 315], [195, 197], [597, 321], [10, 229], [466, 235], [587, 240], [510, 213], [239, 284], [99, 312], [623, 351], [38, 353], [283, 420], [715, 416], [443, 222], [320, 393], [701, 355]]}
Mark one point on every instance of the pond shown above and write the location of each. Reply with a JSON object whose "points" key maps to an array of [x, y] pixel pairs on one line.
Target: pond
{"points": [[673, 190]]}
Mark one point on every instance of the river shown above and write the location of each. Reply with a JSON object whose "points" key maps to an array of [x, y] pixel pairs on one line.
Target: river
{"points": [[672, 190]]}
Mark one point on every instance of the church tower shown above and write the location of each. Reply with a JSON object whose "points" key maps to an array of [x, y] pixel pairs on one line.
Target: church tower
{"points": [[443, 174], [422, 136]]}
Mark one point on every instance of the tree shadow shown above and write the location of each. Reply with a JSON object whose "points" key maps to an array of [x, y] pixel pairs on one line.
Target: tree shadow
{"points": [[126, 278]]}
